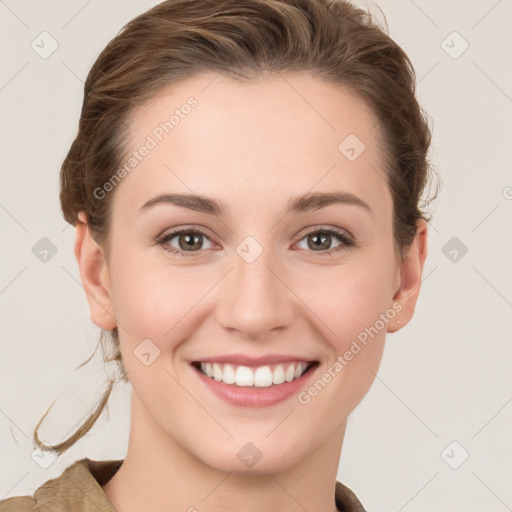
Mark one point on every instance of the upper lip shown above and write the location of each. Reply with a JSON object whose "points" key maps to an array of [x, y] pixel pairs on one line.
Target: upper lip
{"points": [[243, 360]]}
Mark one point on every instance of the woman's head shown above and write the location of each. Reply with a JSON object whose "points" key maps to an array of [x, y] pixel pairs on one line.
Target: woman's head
{"points": [[259, 106]]}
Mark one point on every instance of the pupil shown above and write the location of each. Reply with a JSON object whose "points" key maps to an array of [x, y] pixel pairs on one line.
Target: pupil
{"points": [[323, 241], [189, 241]]}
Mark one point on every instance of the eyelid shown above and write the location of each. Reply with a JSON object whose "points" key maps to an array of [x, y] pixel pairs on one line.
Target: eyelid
{"points": [[347, 240], [166, 236], [325, 228]]}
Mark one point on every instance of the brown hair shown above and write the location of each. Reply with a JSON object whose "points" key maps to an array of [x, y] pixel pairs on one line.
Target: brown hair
{"points": [[243, 39]]}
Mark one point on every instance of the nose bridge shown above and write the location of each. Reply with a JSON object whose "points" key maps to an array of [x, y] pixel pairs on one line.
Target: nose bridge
{"points": [[256, 299]]}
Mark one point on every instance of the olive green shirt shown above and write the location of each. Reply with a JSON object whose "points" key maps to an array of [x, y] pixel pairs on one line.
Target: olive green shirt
{"points": [[78, 489]]}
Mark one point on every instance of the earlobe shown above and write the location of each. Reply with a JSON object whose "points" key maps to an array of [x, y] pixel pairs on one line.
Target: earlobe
{"points": [[94, 276], [411, 270]]}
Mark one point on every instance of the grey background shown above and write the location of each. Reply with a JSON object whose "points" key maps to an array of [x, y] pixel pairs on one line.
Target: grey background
{"points": [[445, 377]]}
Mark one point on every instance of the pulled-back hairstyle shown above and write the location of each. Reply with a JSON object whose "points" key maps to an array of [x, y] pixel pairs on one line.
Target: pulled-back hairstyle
{"points": [[243, 39]]}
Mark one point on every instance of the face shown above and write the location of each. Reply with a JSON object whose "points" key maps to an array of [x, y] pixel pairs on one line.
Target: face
{"points": [[263, 284]]}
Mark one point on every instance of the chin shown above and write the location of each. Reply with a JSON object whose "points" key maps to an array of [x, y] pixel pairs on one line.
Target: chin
{"points": [[247, 458]]}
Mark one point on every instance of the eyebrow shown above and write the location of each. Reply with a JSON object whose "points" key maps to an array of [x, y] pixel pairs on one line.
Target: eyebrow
{"points": [[300, 204]]}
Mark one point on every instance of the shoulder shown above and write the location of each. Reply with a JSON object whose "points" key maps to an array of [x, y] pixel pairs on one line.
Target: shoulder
{"points": [[346, 500], [19, 504], [78, 488]]}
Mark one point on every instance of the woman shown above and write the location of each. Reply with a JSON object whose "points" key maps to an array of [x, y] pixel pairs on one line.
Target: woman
{"points": [[246, 187]]}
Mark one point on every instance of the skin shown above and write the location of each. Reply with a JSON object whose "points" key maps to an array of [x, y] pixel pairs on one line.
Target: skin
{"points": [[251, 146]]}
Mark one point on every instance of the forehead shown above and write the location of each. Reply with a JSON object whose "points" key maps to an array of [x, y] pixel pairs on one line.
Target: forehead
{"points": [[254, 143]]}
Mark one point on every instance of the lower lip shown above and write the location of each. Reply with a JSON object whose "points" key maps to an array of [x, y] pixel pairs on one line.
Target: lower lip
{"points": [[253, 396]]}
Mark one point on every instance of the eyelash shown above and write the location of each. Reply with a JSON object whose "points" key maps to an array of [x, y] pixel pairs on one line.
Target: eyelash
{"points": [[347, 242]]}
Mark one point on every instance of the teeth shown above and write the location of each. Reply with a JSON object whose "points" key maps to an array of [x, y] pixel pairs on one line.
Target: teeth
{"points": [[278, 375], [244, 376], [263, 377], [289, 374], [260, 377], [217, 372], [229, 376]]}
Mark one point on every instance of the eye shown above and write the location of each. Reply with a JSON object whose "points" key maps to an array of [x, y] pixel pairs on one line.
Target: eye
{"points": [[188, 240], [322, 239]]}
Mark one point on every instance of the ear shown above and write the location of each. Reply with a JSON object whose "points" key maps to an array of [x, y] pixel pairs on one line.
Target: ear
{"points": [[94, 275], [411, 269]]}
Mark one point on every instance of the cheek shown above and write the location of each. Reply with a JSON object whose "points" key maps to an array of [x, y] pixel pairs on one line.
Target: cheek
{"points": [[352, 309], [358, 308], [348, 299], [151, 299]]}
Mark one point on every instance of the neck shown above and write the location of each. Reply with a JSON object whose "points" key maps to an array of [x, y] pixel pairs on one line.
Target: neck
{"points": [[157, 471]]}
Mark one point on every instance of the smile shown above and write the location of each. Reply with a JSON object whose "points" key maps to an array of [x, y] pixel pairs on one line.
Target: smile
{"points": [[260, 377]]}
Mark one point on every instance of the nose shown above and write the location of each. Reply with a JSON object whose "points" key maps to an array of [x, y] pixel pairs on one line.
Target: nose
{"points": [[256, 300]]}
